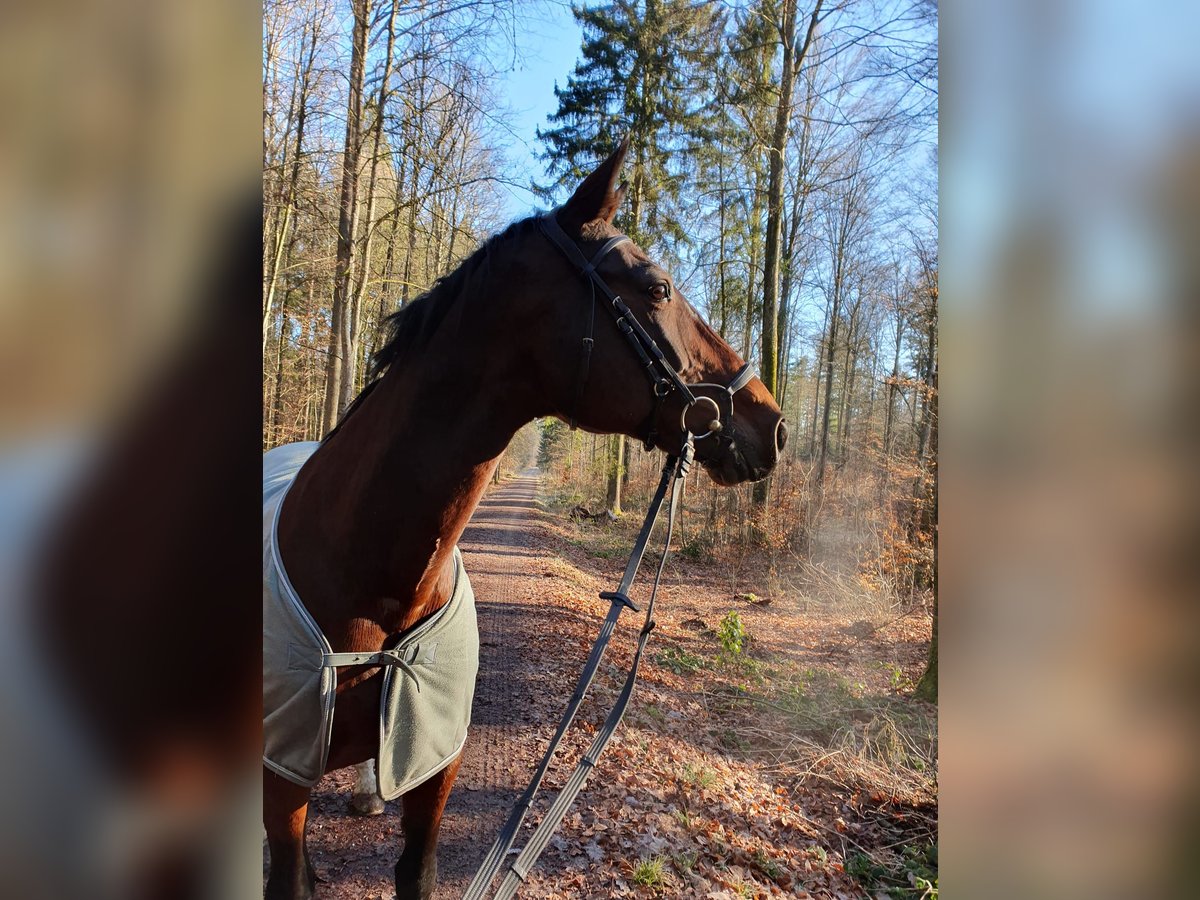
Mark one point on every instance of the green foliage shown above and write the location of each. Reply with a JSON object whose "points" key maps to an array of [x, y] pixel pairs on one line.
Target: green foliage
{"points": [[911, 875], [865, 869], [899, 681], [698, 776], [649, 872], [598, 550], [685, 860], [819, 854], [684, 818], [679, 661], [598, 542], [766, 865], [553, 433], [886, 735], [647, 71], [732, 634], [698, 547], [820, 703]]}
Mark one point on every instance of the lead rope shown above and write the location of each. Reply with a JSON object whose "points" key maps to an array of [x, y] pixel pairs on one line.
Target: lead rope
{"points": [[541, 837], [674, 474]]}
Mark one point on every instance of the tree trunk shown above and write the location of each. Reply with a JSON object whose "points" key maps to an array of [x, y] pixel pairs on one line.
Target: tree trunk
{"points": [[848, 380], [306, 416], [768, 361], [350, 373], [817, 382], [768, 366], [389, 266], [925, 487], [340, 349], [830, 346], [277, 398], [635, 196], [721, 298], [785, 344], [284, 238], [274, 264], [417, 149], [927, 687], [890, 412], [839, 245], [769, 339], [454, 206], [752, 267], [616, 452]]}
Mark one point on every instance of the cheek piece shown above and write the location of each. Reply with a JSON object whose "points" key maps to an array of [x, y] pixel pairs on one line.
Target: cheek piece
{"points": [[664, 380]]}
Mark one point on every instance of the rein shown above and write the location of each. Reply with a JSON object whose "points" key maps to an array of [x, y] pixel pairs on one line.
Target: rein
{"points": [[664, 379]]}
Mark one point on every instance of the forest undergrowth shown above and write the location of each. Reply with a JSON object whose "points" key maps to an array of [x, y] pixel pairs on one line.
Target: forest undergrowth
{"points": [[774, 747]]}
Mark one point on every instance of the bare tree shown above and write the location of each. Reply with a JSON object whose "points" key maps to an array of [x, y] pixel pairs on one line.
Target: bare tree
{"points": [[341, 327]]}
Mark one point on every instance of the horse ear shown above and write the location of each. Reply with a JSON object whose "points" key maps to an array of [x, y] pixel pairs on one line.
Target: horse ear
{"points": [[596, 197], [616, 199]]}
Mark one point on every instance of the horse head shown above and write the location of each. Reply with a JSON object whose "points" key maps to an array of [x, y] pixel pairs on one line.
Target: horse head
{"points": [[600, 378]]}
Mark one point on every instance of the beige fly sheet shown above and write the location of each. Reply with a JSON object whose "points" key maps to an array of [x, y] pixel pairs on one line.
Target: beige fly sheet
{"points": [[428, 674]]}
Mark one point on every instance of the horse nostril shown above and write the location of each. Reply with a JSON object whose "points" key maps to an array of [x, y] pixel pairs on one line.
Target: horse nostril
{"points": [[780, 435]]}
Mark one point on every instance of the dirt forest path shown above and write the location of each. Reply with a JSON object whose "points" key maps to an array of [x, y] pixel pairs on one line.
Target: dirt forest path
{"points": [[506, 577], [355, 856]]}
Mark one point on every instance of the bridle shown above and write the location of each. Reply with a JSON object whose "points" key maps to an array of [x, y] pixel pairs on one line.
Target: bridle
{"points": [[663, 377]]}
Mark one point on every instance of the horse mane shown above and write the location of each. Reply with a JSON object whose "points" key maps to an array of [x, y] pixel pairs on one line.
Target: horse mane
{"points": [[414, 324]]}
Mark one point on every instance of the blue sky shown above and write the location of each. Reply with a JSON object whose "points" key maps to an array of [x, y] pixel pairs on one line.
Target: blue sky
{"points": [[547, 47]]}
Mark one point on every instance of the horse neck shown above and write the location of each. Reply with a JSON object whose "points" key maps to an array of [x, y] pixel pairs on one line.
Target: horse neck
{"points": [[367, 531]]}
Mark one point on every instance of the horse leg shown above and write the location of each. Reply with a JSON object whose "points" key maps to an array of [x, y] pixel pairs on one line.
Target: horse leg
{"points": [[285, 810], [365, 799], [416, 872]]}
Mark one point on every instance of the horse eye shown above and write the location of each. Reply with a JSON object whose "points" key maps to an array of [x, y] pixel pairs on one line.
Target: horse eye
{"points": [[660, 291]]}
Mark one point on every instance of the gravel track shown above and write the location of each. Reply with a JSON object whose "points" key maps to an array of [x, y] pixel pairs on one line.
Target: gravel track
{"points": [[497, 760]]}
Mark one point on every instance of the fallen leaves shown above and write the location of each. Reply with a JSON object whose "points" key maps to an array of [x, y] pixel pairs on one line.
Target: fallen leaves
{"points": [[727, 826], [728, 821]]}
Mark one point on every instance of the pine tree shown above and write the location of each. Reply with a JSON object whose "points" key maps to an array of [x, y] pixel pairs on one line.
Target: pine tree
{"points": [[646, 72]]}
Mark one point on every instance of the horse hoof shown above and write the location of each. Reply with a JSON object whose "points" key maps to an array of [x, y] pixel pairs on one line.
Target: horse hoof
{"points": [[366, 805]]}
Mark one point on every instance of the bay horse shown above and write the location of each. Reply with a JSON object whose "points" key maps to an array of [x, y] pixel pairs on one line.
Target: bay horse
{"points": [[368, 529]]}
